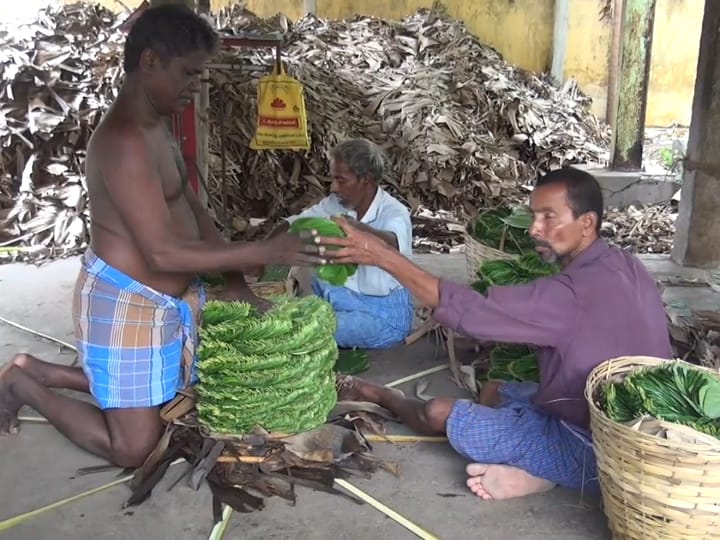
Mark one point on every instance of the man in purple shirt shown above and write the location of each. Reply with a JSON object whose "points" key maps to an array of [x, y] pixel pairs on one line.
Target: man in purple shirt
{"points": [[525, 438]]}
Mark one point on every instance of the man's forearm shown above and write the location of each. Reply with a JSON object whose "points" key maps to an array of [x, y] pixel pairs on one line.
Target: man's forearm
{"points": [[420, 283], [199, 256]]}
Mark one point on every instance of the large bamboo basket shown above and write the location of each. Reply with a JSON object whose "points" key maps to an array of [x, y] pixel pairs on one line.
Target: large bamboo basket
{"points": [[476, 253], [653, 487]]}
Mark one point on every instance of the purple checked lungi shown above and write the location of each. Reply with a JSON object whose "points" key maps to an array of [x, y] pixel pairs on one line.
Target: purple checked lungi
{"points": [[136, 345]]}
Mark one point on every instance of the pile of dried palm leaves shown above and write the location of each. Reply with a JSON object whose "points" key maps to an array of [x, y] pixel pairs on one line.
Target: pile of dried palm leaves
{"points": [[646, 229], [242, 471], [57, 76], [462, 129]]}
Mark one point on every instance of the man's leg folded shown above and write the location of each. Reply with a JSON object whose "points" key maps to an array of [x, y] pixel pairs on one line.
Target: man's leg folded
{"points": [[122, 436]]}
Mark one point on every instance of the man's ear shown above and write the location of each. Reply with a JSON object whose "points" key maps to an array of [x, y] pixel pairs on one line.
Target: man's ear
{"points": [[589, 221], [149, 60]]}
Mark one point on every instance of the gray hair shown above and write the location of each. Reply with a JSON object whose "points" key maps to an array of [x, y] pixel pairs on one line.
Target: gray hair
{"points": [[363, 158]]}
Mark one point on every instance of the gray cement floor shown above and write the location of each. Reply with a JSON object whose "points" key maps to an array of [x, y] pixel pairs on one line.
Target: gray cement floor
{"points": [[39, 466]]}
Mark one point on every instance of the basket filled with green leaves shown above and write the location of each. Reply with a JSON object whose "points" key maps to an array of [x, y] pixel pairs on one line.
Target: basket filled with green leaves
{"points": [[497, 234], [656, 432]]}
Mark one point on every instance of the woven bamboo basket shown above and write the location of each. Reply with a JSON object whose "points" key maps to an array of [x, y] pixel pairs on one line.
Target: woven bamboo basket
{"points": [[653, 487], [477, 253]]}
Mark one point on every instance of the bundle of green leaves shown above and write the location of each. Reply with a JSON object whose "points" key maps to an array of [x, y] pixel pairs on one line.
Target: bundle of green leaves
{"points": [[672, 391], [335, 274], [504, 228], [516, 362], [273, 370], [526, 268]]}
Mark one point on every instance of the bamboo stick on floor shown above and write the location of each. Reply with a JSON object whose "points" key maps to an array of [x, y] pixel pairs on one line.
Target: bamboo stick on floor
{"points": [[389, 512], [38, 334], [22, 518], [417, 375], [220, 528]]}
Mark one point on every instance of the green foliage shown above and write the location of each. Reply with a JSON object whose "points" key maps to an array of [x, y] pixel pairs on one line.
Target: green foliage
{"points": [[512, 362], [673, 392], [526, 268], [352, 362], [335, 274], [273, 370], [505, 229]]}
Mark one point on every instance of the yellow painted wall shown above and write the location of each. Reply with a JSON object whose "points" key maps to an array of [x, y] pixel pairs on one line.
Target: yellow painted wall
{"points": [[522, 30]]}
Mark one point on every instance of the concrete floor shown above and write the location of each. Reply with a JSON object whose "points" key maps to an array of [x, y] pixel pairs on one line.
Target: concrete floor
{"points": [[39, 466]]}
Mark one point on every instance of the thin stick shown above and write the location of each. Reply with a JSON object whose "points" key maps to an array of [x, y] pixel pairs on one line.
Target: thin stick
{"points": [[22, 518], [38, 334], [418, 375], [389, 512], [218, 531], [33, 420], [240, 459]]}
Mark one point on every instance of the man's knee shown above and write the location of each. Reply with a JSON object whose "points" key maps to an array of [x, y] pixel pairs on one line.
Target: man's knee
{"points": [[22, 360], [134, 433], [436, 412], [132, 454]]}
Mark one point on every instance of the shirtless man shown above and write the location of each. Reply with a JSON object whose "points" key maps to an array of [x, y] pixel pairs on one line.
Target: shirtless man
{"points": [[138, 297]]}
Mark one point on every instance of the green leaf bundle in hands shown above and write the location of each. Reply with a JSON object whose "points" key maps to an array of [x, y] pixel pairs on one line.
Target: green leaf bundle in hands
{"points": [[274, 370], [335, 274], [673, 392]]}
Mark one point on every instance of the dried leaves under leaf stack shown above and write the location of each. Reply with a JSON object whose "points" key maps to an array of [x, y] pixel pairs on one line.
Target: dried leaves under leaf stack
{"points": [[242, 471]]}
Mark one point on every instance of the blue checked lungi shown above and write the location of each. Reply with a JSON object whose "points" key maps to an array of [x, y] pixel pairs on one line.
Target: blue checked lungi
{"points": [[364, 321], [516, 433], [136, 345]]}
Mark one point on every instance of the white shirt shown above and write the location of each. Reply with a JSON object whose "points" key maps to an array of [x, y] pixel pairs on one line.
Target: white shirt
{"points": [[386, 213]]}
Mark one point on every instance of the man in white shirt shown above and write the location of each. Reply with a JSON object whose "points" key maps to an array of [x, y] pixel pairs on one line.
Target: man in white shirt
{"points": [[373, 310]]}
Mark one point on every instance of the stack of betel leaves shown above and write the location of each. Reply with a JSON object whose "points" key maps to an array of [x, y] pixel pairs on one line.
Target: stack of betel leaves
{"points": [[672, 392], [504, 228], [526, 268], [512, 362], [335, 274], [272, 370]]}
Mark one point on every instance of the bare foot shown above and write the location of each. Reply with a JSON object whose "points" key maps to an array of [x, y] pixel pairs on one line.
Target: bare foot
{"points": [[9, 405], [353, 389], [503, 482]]}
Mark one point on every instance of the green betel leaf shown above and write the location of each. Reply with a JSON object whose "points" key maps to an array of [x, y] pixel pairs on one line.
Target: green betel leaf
{"points": [[710, 398], [335, 274], [519, 219]]}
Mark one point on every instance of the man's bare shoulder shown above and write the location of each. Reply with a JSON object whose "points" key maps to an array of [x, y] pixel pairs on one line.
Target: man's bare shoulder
{"points": [[115, 140]]}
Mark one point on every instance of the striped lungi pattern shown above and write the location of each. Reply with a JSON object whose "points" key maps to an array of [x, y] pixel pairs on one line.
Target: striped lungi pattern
{"points": [[136, 345]]}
